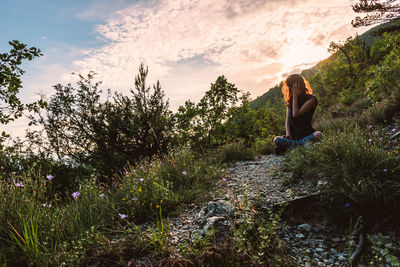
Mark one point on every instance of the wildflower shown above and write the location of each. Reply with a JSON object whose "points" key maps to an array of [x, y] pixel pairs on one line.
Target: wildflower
{"points": [[370, 140], [19, 185], [369, 127], [75, 194], [380, 138], [157, 206], [102, 195], [184, 172], [122, 216], [141, 179], [49, 177], [347, 205], [161, 201], [134, 199], [46, 205], [384, 170], [140, 189], [394, 129], [224, 179], [123, 198]]}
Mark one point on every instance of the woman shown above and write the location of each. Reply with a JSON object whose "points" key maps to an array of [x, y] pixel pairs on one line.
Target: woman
{"points": [[300, 108]]}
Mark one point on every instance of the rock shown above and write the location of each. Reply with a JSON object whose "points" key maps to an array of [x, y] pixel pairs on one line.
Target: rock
{"points": [[305, 227], [214, 215], [300, 235], [342, 258]]}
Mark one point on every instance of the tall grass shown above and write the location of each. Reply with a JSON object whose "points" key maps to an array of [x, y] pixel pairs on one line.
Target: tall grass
{"points": [[39, 228], [356, 166]]}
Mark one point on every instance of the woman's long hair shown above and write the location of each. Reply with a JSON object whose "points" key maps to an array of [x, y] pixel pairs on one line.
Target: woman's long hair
{"points": [[287, 85]]}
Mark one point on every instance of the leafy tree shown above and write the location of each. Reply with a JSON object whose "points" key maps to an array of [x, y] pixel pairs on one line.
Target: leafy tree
{"points": [[202, 125], [82, 129], [341, 78], [378, 11], [10, 79], [249, 124]]}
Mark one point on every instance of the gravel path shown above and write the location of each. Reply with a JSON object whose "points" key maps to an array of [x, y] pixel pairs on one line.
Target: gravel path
{"points": [[310, 243], [263, 178]]}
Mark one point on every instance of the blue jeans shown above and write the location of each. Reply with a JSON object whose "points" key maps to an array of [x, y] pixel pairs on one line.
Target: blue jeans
{"points": [[289, 143]]}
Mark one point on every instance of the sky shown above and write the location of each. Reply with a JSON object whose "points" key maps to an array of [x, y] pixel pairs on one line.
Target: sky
{"points": [[185, 44]]}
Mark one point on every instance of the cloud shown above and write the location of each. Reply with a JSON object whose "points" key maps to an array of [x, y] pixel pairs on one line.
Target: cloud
{"points": [[237, 37]]}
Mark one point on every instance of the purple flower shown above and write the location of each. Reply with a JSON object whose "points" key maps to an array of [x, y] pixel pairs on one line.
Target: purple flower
{"points": [[369, 127], [224, 179], [141, 179], [102, 195], [75, 194], [19, 185], [184, 172], [347, 205], [380, 138], [370, 140], [384, 170], [122, 216], [49, 177], [394, 129], [134, 199]]}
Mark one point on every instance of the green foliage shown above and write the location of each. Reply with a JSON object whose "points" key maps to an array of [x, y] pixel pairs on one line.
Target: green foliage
{"points": [[82, 130], [160, 233], [384, 80], [10, 79], [249, 124], [357, 168], [273, 96], [28, 241], [65, 230], [178, 178], [202, 125], [236, 151]]}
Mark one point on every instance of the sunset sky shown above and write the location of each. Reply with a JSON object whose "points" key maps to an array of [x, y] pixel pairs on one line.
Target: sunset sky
{"points": [[186, 44]]}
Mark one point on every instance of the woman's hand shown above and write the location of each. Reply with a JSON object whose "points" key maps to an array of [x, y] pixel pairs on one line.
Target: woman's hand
{"points": [[296, 89]]}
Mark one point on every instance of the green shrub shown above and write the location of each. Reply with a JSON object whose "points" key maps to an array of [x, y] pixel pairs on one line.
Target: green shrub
{"points": [[236, 151], [357, 168], [179, 178]]}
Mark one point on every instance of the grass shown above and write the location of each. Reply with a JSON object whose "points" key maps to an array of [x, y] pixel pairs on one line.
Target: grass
{"points": [[356, 166], [41, 228]]}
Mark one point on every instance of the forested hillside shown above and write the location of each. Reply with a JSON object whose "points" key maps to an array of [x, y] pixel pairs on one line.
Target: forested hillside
{"points": [[356, 74]]}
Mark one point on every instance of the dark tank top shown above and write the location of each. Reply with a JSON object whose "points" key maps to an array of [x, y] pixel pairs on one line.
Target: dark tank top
{"points": [[300, 126]]}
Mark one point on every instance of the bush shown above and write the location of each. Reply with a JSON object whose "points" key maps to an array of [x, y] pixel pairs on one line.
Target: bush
{"points": [[179, 178], [236, 151], [356, 168]]}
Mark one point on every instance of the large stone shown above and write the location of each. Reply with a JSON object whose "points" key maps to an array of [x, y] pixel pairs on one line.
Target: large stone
{"points": [[215, 215], [305, 227]]}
